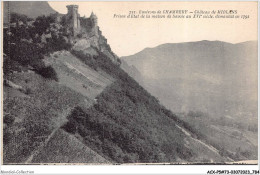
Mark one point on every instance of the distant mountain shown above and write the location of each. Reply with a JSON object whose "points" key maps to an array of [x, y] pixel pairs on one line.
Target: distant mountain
{"points": [[32, 9], [208, 75]]}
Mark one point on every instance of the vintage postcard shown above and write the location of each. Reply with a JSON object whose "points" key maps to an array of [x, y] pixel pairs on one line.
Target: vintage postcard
{"points": [[129, 83]]}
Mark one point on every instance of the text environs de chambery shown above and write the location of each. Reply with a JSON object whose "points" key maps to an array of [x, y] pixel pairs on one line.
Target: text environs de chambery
{"points": [[166, 12]]}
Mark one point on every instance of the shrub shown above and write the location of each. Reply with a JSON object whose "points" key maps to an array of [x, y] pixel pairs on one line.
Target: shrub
{"points": [[28, 91], [9, 119], [79, 35], [70, 127], [42, 23], [48, 72], [55, 43], [10, 65], [37, 64], [6, 136]]}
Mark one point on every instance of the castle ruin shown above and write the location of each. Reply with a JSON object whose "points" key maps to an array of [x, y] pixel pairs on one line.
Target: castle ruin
{"points": [[84, 33]]}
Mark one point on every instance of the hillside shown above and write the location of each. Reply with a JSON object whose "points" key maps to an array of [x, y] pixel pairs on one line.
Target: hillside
{"points": [[212, 84], [66, 100]]}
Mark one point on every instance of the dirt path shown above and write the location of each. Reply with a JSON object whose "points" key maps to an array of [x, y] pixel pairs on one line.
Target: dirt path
{"points": [[36, 151], [61, 121]]}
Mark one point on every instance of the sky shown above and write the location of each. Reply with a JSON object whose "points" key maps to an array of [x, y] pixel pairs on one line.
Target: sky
{"points": [[128, 36]]}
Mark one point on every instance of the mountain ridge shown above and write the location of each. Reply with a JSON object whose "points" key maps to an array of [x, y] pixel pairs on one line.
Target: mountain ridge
{"points": [[188, 42]]}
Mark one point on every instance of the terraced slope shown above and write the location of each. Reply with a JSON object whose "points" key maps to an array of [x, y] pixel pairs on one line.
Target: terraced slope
{"points": [[78, 76]]}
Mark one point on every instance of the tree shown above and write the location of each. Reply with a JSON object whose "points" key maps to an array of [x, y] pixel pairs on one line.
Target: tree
{"points": [[42, 23], [15, 17]]}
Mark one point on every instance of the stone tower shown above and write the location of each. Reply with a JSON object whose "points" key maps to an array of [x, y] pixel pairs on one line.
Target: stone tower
{"points": [[73, 19]]}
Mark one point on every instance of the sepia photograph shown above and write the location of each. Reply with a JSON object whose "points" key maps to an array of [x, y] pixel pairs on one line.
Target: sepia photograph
{"points": [[128, 82]]}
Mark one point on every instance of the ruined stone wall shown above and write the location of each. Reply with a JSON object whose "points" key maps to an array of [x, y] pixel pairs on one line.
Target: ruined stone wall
{"points": [[88, 27]]}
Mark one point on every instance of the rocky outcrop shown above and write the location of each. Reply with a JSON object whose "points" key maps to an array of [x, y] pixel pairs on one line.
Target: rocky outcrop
{"points": [[90, 45]]}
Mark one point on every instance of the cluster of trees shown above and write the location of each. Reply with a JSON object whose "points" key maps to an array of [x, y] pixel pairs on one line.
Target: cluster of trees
{"points": [[23, 46], [14, 18]]}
